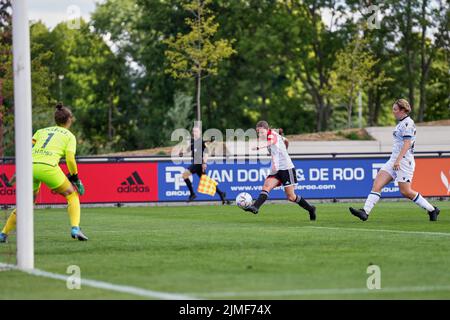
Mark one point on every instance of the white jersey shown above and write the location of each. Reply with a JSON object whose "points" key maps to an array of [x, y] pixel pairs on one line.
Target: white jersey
{"points": [[405, 129], [278, 152]]}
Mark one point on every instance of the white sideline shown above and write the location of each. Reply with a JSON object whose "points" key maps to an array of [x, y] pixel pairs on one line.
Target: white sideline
{"points": [[308, 292], [193, 296], [426, 233], [104, 285]]}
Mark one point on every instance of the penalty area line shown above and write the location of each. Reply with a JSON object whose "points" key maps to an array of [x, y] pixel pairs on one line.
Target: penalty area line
{"points": [[104, 285]]}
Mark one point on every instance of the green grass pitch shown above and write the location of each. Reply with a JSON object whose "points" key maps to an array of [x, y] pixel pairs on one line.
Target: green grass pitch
{"points": [[222, 252]]}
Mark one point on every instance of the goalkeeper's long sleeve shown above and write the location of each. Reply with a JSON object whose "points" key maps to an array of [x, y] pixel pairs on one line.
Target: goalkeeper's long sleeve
{"points": [[71, 163]]}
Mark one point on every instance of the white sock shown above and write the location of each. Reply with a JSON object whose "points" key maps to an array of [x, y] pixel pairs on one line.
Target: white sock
{"points": [[422, 202], [371, 201]]}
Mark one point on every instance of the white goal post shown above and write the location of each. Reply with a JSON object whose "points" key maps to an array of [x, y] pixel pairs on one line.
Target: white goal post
{"points": [[23, 134]]}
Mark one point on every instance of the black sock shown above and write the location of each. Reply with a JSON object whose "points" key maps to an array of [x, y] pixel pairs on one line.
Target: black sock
{"points": [[189, 184], [220, 193], [303, 203], [261, 199]]}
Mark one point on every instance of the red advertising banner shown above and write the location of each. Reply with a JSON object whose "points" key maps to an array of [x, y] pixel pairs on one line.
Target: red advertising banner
{"points": [[138, 181], [104, 183], [7, 192], [432, 177]]}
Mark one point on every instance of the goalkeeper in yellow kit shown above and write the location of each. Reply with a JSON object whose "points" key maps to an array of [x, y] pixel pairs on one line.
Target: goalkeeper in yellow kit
{"points": [[49, 145]]}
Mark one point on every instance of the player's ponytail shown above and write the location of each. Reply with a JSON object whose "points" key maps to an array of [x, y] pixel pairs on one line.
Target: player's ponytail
{"points": [[62, 114]]}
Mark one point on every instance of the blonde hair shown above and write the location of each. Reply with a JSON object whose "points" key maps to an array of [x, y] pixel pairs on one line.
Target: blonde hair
{"points": [[403, 104]]}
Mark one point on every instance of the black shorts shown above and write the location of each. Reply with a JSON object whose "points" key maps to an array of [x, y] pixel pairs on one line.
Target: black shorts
{"points": [[286, 177], [196, 169]]}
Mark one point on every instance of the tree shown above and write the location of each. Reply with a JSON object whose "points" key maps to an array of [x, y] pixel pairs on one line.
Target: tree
{"points": [[136, 28], [5, 63], [285, 55], [315, 48], [6, 118], [40, 81], [195, 54], [95, 83], [436, 18], [180, 114], [353, 72], [403, 23]]}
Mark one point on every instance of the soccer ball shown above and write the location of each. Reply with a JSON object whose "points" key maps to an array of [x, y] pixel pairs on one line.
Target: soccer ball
{"points": [[244, 200]]}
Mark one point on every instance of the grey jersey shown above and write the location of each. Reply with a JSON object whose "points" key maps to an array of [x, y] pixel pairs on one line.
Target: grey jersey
{"points": [[405, 129]]}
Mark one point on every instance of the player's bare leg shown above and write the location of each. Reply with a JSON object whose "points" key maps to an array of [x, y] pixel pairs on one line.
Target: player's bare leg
{"points": [[291, 196], [269, 184], [382, 179], [408, 192], [188, 182]]}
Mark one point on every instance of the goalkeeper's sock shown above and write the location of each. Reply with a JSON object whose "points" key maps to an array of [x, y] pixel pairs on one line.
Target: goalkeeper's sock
{"points": [[10, 223], [189, 185], [73, 208], [261, 199]]}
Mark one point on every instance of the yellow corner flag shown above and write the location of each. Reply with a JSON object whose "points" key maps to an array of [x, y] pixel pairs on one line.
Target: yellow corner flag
{"points": [[207, 185]]}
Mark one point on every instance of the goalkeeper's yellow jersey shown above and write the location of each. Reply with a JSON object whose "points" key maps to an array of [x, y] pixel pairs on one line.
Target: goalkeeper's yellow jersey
{"points": [[52, 143]]}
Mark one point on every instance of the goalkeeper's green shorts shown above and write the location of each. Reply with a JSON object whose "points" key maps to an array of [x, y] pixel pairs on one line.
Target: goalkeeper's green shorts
{"points": [[53, 177]]}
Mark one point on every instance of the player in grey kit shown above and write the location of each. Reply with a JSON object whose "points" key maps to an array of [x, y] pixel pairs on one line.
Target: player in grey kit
{"points": [[400, 166]]}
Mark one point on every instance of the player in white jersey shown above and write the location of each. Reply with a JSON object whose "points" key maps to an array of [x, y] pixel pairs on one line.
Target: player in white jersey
{"points": [[400, 166], [282, 170]]}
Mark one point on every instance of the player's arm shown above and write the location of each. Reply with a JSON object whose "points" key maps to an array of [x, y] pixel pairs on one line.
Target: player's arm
{"points": [[406, 146], [205, 159], [205, 156], [270, 141], [72, 166], [73, 172], [71, 163], [286, 142]]}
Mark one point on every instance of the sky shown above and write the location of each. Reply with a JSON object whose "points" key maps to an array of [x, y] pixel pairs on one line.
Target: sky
{"points": [[51, 12]]}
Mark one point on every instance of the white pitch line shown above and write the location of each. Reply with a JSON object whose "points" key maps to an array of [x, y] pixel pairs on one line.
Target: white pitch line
{"points": [[308, 292], [105, 285], [426, 233]]}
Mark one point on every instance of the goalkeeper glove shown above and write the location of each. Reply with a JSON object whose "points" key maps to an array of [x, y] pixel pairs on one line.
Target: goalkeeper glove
{"points": [[77, 183]]}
